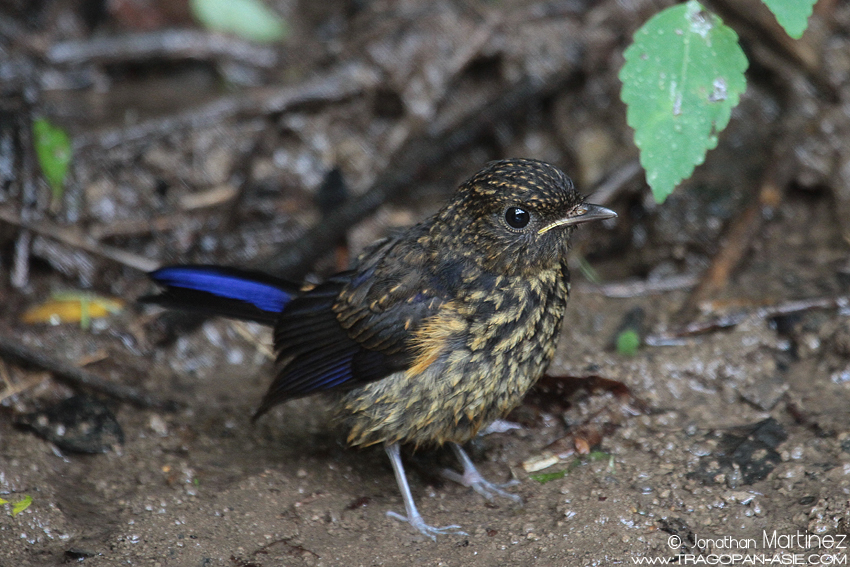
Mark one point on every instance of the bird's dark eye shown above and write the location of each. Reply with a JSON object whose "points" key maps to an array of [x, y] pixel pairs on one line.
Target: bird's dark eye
{"points": [[516, 217]]}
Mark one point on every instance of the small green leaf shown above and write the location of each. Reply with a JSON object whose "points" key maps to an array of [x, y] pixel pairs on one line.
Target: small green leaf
{"points": [[21, 505], [53, 148], [3, 501], [683, 75], [793, 15], [543, 478], [603, 456], [628, 342], [248, 19]]}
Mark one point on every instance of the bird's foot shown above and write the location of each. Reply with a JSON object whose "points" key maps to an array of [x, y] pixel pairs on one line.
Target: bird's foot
{"points": [[499, 426], [426, 530], [472, 478]]}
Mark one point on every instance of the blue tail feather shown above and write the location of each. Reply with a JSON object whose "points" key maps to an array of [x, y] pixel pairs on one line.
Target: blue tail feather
{"points": [[222, 291]]}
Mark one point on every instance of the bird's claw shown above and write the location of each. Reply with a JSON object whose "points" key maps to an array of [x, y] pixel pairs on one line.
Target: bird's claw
{"points": [[472, 478], [426, 530]]}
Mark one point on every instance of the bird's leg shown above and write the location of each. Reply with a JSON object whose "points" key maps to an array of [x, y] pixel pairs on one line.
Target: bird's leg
{"points": [[473, 479], [413, 517]]}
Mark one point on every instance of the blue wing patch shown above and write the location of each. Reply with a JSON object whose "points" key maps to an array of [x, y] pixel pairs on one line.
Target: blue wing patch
{"points": [[316, 352]]}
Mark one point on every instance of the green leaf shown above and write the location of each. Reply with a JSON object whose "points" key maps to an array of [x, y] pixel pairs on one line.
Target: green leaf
{"points": [[53, 149], [683, 75], [21, 505], [603, 456], [3, 501], [628, 342], [248, 19], [543, 478], [793, 15]]}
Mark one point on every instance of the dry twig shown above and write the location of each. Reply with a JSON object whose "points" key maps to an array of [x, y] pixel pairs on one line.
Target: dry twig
{"points": [[79, 378], [161, 44], [637, 288], [739, 237], [734, 319], [77, 240]]}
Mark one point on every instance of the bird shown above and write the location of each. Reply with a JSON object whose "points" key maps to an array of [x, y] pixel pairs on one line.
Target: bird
{"points": [[433, 333]]}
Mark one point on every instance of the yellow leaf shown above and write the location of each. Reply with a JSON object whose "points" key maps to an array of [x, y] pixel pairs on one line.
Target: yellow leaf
{"points": [[72, 307]]}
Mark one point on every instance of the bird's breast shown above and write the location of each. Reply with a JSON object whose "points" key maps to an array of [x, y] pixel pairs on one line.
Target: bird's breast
{"points": [[474, 361]]}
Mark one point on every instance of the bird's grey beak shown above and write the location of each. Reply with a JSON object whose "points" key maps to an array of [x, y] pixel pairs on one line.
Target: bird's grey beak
{"points": [[584, 212]]}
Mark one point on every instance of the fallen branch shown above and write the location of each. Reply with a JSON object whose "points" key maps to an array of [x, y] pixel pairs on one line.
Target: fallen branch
{"points": [[77, 240], [78, 378]]}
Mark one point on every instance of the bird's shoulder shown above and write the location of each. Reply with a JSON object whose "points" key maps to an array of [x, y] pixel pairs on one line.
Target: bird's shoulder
{"points": [[396, 286]]}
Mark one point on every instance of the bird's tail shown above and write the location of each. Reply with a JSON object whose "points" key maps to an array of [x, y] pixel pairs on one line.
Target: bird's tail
{"points": [[229, 292]]}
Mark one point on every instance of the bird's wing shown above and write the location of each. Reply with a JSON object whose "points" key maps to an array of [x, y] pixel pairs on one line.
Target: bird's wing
{"points": [[355, 328]]}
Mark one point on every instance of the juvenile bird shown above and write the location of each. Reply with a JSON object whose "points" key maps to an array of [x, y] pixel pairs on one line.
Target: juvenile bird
{"points": [[433, 334]]}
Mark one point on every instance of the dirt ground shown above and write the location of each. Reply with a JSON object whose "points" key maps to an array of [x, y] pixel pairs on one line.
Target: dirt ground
{"points": [[734, 439]]}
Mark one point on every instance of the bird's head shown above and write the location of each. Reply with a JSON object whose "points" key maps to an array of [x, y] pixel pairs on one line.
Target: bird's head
{"points": [[516, 216]]}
